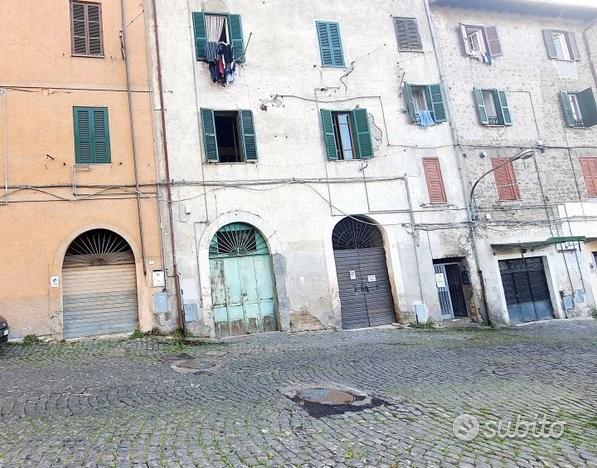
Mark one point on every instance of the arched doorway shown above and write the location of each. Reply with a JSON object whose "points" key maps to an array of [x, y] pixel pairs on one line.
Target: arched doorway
{"points": [[99, 286], [363, 280], [242, 281]]}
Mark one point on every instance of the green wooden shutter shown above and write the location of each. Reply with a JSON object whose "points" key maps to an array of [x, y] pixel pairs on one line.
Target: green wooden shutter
{"points": [[410, 103], [83, 143], [236, 37], [588, 108], [481, 111], [247, 128], [360, 120], [329, 136], [567, 110], [571, 39], [437, 103], [549, 45], [330, 44], [101, 135], [200, 35], [503, 111], [209, 135]]}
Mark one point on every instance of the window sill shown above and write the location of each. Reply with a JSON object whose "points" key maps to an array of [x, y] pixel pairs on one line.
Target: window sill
{"points": [[333, 67], [88, 166], [347, 160], [235, 163], [416, 51], [563, 60], [88, 56]]}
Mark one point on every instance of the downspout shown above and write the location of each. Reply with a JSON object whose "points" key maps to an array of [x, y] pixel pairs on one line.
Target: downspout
{"points": [[471, 226], [589, 52], [4, 95], [164, 139], [132, 124]]}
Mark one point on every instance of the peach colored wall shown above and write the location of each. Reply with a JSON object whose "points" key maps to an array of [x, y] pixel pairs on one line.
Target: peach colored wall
{"points": [[42, 82]]}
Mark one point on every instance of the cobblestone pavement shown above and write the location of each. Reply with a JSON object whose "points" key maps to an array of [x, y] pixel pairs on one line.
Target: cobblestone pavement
{"points": [[119, 403]]}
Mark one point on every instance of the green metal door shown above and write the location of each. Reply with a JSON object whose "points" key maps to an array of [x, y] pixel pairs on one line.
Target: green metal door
{"points": [[242, 285]]}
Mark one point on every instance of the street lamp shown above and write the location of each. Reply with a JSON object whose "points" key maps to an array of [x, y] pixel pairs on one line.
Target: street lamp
{"points": [[522, 156]]}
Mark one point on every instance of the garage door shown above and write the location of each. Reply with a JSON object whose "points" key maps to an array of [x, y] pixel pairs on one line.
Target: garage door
{"points": [[526, 290]]}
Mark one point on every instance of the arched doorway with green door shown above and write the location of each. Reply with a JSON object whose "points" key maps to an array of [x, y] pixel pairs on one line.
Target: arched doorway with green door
{"points": [[242, 281]]}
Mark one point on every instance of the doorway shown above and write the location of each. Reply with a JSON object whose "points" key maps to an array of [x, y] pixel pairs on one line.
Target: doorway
{"points": [[450, 288]]}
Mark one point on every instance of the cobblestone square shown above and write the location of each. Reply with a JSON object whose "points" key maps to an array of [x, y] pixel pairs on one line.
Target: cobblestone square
{"points": [[120, 403]]}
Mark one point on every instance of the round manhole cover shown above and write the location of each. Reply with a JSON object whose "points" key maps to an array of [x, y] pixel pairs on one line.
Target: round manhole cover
{"points": [[193, 366], [328, 396]]}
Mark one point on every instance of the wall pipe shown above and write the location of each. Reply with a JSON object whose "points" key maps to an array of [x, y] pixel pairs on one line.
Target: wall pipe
{"points": [[180, 317], [4, 95]]}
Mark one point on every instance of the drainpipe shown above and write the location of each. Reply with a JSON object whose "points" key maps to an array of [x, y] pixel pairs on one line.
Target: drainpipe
{"points": [[179, 315], [123, 37], [589, 51], [471, 227], [4, 95]]}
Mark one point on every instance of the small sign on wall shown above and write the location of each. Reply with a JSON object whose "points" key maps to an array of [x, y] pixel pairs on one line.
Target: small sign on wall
{"points": [[159, 279], [353, 275], [440, 280], [371, 279], [54, 281]]}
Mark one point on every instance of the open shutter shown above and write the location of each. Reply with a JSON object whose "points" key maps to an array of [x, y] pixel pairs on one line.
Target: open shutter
{"points": [[101, 135], [435, 181], [589, 171], [481, 111], [209, 135], [466, 47], [236, 37], [493, 41], [329, 137], [360, 119], [504, 110], [247, 127], [410, 103], [505, 179], [567, 110], [574, 53], [437, 103], [588, 108], [200, 35], [83, 145], [549, 45]]}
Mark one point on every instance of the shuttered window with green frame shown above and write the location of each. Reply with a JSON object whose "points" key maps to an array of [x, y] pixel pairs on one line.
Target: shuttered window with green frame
{"points": [[435, 102], [361, 134], [330, 44], [92, 135], [235, 34], [503, 115], [246, 135]]}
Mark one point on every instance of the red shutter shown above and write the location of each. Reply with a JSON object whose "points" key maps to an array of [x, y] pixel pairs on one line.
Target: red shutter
{"points": [[435, 181], [505, 179], [589, 170]]}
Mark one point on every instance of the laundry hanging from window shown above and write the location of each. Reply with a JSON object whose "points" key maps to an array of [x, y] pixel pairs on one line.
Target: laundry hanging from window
{"points": [[218, 50]]}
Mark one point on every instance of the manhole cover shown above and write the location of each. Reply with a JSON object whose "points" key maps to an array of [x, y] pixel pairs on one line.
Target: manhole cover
{"points": [[176, 357], [193, 366], [329, 399]]}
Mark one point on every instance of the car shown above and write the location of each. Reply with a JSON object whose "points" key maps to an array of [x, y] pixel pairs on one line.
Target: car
{"points": [[3, 330]]}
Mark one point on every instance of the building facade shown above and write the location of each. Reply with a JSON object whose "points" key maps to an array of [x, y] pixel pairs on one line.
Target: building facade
{"points": [[79, 230]]}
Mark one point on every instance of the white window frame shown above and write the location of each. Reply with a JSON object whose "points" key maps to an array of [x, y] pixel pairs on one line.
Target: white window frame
{"points": [[561, 46], [491, 106]]}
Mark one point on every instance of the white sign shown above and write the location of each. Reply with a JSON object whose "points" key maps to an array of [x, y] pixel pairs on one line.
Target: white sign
{"points": [[440, 280], [371, 278], [353, 275], [54, 281], [159, 279]]}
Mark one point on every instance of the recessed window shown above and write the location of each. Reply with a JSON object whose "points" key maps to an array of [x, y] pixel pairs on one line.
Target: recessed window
{"points": [[579, 108], [561, 45], [489, 99], [344, 132], [481, 43], [217, 30], [347, 134], [86, 29], [425, 104], [505, 179], [229, 136], [492, 107]]}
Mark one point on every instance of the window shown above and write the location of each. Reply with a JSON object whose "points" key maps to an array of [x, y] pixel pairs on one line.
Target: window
{"points": [[589, 171], [407, 34], [330, 44], [210, 29], [425, 104], [435, 181], [505, 179], [561, 45], [481, 43], [229, 136], [347, 134], [92, 135], [579, 109], [86, 29], [492, 107]]}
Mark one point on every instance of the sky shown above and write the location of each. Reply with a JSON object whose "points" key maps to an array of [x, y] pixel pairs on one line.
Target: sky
{"points": [[573, 2]]}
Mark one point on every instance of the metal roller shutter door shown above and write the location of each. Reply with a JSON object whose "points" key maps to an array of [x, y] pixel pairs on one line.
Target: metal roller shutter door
{"points": [[99, 300]]}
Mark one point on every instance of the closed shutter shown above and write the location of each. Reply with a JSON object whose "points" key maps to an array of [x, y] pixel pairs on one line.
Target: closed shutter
{"points": [[360, 119], [549, 45], [249, 141], [493, 41], [504, 111], [86, 29], [99, 300], [505, 179], [330, 44], [210, 138], [480, 103], [329, 136], [435, 181], [236, 37], [92, 135], [588, 108], [200, 35], [571, 39], [410, 103], [567, 110], [437, 103], [589, 171], [407, 34]]}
